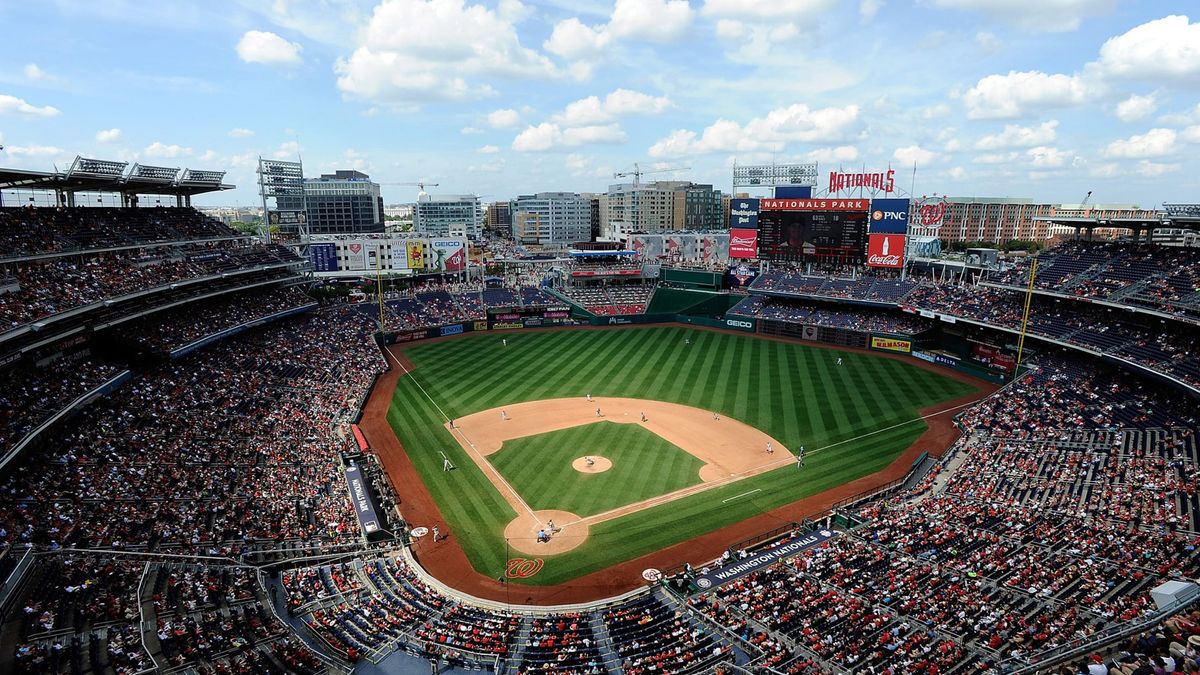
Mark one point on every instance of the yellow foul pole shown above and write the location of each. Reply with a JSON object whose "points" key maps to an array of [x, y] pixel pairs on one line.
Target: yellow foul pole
{"points": [[1025, 316], [379, 294]]}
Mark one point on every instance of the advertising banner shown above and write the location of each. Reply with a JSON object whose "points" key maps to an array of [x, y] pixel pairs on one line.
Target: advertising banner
{"points": [[743, 243], [740, 322], [414, 250], [822, 204], [882, 181], [356, 256], [373, 254], [793, 192], [889, 216], [931, 212], [323, 256], [889, 344], [764, 559], [368, 519], [450, 255], [452, 329], [741, 276], [993, 357], [743, 213], [885, 250]]}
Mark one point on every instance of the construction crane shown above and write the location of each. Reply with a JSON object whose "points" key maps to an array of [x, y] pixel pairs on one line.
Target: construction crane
{"points": [[418, 184], [1085, 199], [637, 173]]}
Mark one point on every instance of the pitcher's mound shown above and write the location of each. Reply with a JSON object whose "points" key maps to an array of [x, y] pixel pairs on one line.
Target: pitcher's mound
{"points": [[599, 464], [522, 532]]}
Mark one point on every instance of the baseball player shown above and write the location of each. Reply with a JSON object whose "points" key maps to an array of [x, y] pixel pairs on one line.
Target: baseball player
{"points": [[770, 448]]}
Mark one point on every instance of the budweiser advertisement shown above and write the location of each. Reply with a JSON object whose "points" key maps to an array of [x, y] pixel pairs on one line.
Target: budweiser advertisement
{"points": [[743, 243], [821, 204], [885, 250]]}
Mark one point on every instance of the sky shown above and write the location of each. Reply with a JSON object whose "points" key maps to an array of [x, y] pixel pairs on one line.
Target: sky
{"points": [[1045, 99]]}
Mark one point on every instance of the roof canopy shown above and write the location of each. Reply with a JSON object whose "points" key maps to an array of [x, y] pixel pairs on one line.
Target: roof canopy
{"points": [[100, 175]]}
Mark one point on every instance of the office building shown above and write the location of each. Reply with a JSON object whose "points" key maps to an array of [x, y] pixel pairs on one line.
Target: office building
{"points": [[448, 216], [552, 218], [660, 206], [498, 220], [342, 202], [996, 220]]}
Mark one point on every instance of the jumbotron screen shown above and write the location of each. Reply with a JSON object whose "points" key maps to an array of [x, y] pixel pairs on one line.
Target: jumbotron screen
{"points": [[808, 236]]}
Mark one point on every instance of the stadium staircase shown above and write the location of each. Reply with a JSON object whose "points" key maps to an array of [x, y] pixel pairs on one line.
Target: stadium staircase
{"points": [[520, 641], [608, 654]]}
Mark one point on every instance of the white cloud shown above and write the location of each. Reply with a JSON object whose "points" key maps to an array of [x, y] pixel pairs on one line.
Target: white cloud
{"points": [[267, 48], [1136, 107], [768, 11], [1019, 94], [1109, 170], [469, 131], [240, 132], [160, 150], [1153, 169], [780, 126], [505, 118], [1048, 158], [650, 20], [580, 165], [935, 111], [208, 156], [957, 173], [1015, 136], [867, 9], [35, 73], [996, 158], [1166, 49], [108, 135], [841, 153], [14, 105], [33, 150], [489, 150], [913, 154], [420, 50], [1153, 143], [1191, 134], [549, 136], [988, 42], [287, 150], [593, 110], [1051, 16]]}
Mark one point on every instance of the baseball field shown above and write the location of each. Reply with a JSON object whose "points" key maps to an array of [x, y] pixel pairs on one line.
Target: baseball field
{"points": [[633, 440]]}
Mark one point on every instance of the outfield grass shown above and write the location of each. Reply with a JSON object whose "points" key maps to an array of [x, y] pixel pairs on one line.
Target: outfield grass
{"points": [[645, 465], [793, 392]]}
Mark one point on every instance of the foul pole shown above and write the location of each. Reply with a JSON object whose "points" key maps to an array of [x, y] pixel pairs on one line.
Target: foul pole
{"points": [[1025, 316]]}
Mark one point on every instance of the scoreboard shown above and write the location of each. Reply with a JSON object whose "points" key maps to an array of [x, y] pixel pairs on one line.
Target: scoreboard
{"points": [[813, 236]]}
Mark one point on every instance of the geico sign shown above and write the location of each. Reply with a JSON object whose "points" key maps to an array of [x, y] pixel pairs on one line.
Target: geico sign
{"points": [[738, 324]]}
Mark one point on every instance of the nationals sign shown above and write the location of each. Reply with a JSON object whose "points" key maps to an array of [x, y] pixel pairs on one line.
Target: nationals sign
{"points": [[884, 181], [814, 205], [743, 243], [931, 212], [885, 250]]}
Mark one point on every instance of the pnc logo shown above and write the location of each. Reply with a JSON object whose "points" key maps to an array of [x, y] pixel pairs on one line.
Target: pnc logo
{"points": [[889, 215]]}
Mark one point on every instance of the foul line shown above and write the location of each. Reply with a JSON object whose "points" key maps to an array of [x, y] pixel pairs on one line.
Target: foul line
{"points": [[454, 429], [762, 468], [723, 501]]}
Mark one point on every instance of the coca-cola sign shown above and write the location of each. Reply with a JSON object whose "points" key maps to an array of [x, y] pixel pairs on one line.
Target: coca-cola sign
{"points": [[885, 250]]}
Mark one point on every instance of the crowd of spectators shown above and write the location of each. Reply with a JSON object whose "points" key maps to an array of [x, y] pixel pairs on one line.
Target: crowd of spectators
{"points": [[611, 300], [32, 394], [26, 231], [48, 287], [234, 444], [1161, 278], [174, 328], [877, 287], [833, 316]]}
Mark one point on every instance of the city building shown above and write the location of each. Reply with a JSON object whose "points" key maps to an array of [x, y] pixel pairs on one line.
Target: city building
{"points": [[660, 206], [389, 254], [342, 202], [997, 220], [448, 216], [498, 221], [552, 218]]}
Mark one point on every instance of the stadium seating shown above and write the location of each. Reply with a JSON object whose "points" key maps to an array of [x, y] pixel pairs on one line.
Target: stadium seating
{"points": [[835, 316]]}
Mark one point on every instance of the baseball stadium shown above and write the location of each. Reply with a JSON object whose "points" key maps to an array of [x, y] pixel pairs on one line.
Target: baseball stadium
{"points": [[789, 448]]}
